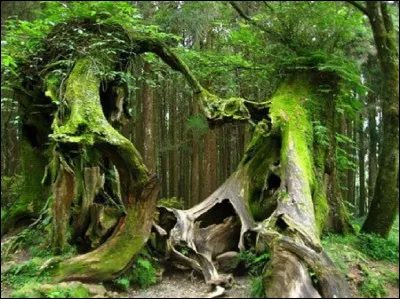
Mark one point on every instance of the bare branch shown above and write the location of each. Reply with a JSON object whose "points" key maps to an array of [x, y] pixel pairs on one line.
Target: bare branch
{"points": [[359, 6], [241, 12]]}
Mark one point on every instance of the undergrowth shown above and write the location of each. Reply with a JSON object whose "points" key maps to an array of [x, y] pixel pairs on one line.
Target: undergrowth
{"points": [[142, 274], [367, 255], [255, 264]]}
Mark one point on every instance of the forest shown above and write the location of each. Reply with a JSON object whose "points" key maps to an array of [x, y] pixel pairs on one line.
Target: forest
{"points": [[199, 149]]}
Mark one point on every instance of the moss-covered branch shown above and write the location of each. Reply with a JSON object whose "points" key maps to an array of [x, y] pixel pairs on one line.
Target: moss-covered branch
{"points": [[213, 107]]}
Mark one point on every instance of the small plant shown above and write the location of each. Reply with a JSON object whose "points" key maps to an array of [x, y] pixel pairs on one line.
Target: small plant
{"points": [[255, 263], [122, 284], [35, 290], [20, 274], [257, 288], [378, 248], [172, 202], [143, 274], [184, 251], [373, 285]]}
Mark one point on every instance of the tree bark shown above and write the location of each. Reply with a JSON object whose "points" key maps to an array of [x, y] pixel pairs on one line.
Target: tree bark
{"points": [[139, 190], [274, 184], [385, 204], [149, 152], [373, 142], [338, 219], [350, 197], [209, 164], [361, 162], [195, 169]]}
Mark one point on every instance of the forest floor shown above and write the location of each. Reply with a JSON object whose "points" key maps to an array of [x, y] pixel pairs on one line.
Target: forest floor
{"points": [[370, 265], [184, 285], [181, 284]]}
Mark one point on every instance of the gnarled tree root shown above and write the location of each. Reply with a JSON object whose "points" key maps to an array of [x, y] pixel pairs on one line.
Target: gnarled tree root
{"points": [[289, 231], [90, 128]]}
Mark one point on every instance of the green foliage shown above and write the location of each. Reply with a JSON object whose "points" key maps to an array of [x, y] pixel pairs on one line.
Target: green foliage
{"points": [[257, 289], [27, 238], [378, 248], [122, 284], [344, 159], [39, 48], [3, 214], [373, 285], [254, 263], [20, 274], [321, 136], [34, 290], [11, 187], [143, 273], [364, 252], [172, 202], [197, 124]]}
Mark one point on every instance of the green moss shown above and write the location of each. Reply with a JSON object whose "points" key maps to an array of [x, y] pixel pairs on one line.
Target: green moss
{"points": [[321, 207], [259, 168], [291, 120], [35, 290], [87, 125], [52, 83], [172, 202], [109, 260], [288, 115], [215, 107]]}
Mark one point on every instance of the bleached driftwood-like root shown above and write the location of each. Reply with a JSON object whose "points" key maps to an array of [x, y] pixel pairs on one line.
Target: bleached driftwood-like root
{"points": [[276, 184]]}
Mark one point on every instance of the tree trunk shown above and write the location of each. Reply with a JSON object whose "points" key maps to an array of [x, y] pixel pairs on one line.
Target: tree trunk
{"points": [[385, 204], [149, 152], [209, 164], [139, 191], [373, 141], [195, 170], [338, 219], [361, 161], [275, 182], [350, 173], [373, 74], [276, 185]]}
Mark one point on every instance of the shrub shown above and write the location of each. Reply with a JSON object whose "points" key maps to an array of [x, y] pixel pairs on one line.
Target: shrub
{"points": [[20, 274], [378, 248], [143, 274], [122, 284], [373, 285], [255, 263], [257, 288]]}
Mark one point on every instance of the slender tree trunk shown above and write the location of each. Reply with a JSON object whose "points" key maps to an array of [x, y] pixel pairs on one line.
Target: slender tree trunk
{"points": [[195, 169], [209, 164], [149, 152], [361, 162], [385, 203], [343, 174], [338, 219], [373, 139], [350, 172], [172, 141]]}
